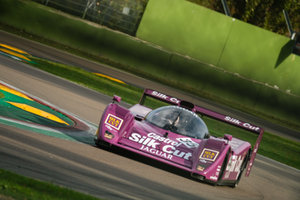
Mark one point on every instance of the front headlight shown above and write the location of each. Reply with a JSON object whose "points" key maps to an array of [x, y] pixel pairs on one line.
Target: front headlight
{"points": [[200, 168], [108, 135]]}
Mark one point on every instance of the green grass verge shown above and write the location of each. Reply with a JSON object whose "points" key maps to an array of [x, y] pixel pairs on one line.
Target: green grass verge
{"points": [[128, 93], [278, 148], [13, 186]]}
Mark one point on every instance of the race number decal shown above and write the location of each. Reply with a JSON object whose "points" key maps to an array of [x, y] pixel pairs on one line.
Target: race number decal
{"points": [[113, 121], [209, 154]]}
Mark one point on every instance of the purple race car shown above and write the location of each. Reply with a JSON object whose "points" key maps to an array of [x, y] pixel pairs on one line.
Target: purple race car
{"points": [[176, 135]]}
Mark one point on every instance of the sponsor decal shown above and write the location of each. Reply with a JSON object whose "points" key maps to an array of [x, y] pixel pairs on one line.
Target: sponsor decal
{"points": [[226, 175], [213, 178], [108, 127], [234, 164], [218, 170], [188, 142], [234, 144], [152, 142], [244, 124], [209, 154], [156, 152], [113, 121], [165, 97]]}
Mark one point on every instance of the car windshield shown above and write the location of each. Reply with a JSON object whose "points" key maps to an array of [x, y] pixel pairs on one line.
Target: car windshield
{"points": [[178, 120]]}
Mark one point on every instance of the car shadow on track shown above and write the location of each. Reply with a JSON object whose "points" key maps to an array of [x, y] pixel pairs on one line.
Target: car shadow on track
{"points": [[151, 162]]}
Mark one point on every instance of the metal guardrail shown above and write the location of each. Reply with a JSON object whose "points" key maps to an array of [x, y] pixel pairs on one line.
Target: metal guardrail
{"points": [[120, 15]]}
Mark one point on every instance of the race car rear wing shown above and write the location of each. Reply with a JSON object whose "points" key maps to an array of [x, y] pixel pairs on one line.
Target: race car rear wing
{"points": [[220, 117]]}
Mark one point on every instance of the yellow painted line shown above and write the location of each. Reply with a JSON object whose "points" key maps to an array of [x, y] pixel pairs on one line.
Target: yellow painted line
{"points": [[6, 89], [14, 54], [38, 112], [14, 49], [110, 78]]}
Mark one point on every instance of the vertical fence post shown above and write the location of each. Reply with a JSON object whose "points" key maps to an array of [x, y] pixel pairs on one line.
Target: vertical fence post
{"points": [[225, 7], [288, 23], [89, 3]]}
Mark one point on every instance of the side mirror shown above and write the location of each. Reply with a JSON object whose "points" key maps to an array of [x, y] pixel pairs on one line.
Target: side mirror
{"points": [[116, 99], [228, 137]]}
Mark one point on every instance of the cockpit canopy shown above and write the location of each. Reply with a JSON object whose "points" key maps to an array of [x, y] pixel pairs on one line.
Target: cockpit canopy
{"points": [[178, 120]]}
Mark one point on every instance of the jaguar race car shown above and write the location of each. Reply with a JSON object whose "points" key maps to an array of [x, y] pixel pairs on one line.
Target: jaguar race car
{"points": [[175, 134]]}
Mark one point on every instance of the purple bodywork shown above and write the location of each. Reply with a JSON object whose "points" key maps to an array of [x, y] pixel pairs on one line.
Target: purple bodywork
{"points": [[220, 161]]}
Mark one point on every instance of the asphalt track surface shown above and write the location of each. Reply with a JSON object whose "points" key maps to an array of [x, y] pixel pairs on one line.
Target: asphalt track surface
{"points": [[114, 174]]}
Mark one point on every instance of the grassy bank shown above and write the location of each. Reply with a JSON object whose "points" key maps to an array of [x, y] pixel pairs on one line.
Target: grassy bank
{"points": [[122, 51], [15, 187]]}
